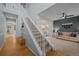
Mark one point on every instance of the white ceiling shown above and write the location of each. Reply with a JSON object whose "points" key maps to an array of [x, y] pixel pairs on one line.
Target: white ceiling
{"points": [[55, 11]]}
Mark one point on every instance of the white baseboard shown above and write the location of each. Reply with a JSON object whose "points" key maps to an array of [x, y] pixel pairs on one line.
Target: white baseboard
{"points": [[32, 51]]}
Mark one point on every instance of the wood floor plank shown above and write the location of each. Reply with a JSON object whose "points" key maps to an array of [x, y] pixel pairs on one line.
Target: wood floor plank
{"points": [[12, 47], [55, 53]]}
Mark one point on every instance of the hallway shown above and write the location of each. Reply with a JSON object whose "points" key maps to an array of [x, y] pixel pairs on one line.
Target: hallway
{"points": [[13, 47]]}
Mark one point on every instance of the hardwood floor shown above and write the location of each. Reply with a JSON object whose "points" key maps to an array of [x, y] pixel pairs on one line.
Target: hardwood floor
{"points": [[55, 53], [13, 47]]}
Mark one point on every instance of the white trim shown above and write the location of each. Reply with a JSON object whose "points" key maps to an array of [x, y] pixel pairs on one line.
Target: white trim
{"points": [[32, 50], [50, 44]]}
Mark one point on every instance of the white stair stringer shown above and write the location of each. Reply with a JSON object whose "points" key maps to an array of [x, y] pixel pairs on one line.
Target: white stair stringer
{"points": [[39, 37], [38, 48]]}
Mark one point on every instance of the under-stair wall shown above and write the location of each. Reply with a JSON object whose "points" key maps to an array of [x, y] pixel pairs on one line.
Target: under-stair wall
{"points": [[30, 43]]}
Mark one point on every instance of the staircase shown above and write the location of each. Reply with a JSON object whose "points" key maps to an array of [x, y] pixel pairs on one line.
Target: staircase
{"points": [[42, 44]]}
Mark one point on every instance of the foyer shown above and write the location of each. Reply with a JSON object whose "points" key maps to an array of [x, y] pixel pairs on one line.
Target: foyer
{"points": [[42, 29]]}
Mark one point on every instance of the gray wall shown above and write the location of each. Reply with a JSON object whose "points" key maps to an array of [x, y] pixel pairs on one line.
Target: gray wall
{"points": [[74, 28], [2, 28]]}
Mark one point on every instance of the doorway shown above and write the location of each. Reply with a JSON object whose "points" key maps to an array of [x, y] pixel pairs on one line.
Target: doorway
{"points": [[10, 23]]}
